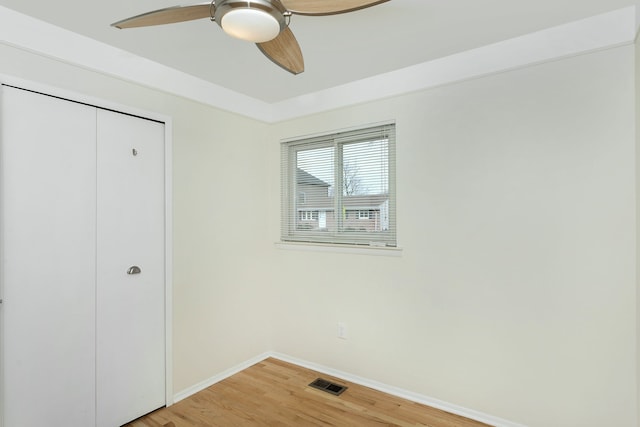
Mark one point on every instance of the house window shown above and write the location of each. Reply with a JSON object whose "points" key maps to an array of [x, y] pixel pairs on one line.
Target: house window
{"points": [[308, 216], [347, 176], [363, 214]]}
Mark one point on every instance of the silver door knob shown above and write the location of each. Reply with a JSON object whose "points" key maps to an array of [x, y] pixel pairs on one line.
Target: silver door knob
{"points": [[134, 270]]}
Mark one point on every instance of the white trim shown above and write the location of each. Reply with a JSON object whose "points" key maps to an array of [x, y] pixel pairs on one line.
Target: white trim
{"points": [[398, 392], [389, 122], [603, 31], [70, 95], [168, 142], [2, 318], [168, 259], [393, 391], [340, 249], [39, 37], [219, 377]]}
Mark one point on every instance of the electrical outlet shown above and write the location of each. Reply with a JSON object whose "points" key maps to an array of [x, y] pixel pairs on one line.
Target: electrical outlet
{"points": [[342, 330]]}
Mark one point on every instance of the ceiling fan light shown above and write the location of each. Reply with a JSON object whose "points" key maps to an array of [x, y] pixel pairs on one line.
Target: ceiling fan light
{"points": [[250, 24]]}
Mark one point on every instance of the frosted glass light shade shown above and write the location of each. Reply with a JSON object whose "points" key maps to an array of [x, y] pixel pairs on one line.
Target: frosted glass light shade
{"points": [[253, 25]]}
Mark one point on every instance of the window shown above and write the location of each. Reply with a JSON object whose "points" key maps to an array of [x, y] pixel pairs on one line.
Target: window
{"points": [[348, 182], [308, 216], [363, 214]]}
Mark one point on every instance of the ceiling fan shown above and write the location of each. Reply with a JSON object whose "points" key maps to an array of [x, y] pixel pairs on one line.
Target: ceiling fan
{"points": [[264, 22]]}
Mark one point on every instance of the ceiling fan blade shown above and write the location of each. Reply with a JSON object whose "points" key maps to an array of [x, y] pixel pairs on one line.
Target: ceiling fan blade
{"points": [[327, 7], [284, 51], [168, 15]]}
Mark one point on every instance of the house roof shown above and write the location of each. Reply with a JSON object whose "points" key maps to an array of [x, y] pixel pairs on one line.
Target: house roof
{"points": [[326, 203], [304, 177]]}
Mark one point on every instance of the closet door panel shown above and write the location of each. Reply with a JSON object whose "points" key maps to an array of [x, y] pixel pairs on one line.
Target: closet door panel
{"points": [[47, 224], [130, 307]]}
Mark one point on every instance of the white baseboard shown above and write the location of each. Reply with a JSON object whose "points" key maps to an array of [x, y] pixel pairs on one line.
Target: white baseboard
{"points": [[219, 377], [394, 391], [398, 392]]}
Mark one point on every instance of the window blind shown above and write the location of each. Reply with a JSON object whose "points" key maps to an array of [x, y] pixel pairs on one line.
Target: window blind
{"points": [[339, 188]]}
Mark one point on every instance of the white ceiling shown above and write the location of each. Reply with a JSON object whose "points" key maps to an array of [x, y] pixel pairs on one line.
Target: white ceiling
{"points": [[338, 49]]}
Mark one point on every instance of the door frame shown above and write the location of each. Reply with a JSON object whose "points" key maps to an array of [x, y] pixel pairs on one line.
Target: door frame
{"points": [[168, 214]]}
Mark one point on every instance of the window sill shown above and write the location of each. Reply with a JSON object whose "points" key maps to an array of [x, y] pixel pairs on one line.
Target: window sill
{"points": [[343, 249]]}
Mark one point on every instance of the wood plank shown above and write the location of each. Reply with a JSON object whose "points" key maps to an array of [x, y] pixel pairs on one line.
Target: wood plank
{"points": [[274, 392]]}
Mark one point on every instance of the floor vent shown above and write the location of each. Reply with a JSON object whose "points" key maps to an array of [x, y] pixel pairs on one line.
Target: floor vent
{"points": [[328, 386]]}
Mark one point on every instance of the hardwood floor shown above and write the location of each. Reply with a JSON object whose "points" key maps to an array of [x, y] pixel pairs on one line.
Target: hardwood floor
{"points": [[276, 393]]}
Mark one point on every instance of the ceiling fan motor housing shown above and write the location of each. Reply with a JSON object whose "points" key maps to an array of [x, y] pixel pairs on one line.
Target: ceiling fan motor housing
{"points": [[266, 18]]}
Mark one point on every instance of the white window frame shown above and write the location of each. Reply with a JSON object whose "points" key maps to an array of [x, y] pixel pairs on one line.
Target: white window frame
{"points": [[306, 215], [289, 190], [363, 214]]}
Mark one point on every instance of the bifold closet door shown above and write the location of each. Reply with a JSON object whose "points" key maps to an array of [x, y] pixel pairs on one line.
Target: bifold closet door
{"points": [[48, 240], [130, 268]]}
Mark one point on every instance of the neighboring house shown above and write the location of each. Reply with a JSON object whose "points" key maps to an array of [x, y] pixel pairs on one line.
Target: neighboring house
{"points": [[316, 205]]}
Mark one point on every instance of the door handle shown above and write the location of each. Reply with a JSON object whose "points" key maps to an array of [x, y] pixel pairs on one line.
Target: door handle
{"points": [[134, 270]]}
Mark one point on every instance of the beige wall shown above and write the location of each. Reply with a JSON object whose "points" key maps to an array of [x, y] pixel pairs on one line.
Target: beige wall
{"points": [[515, 292], [219, 294]]}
